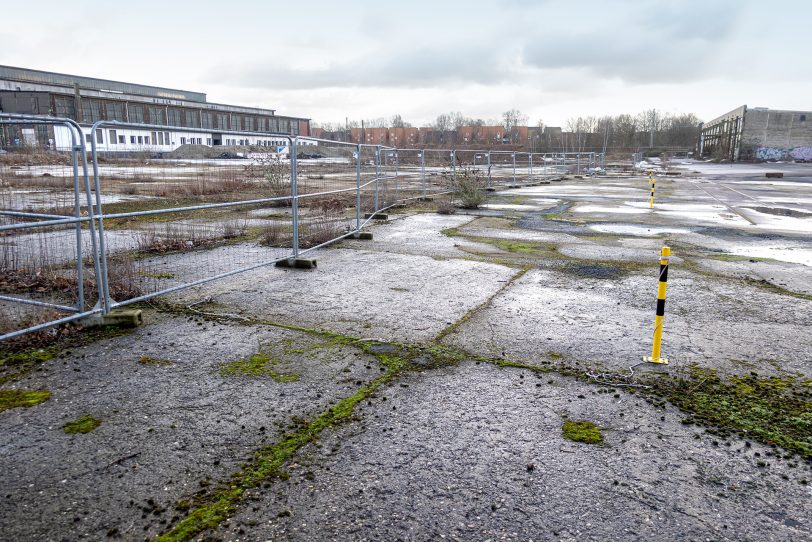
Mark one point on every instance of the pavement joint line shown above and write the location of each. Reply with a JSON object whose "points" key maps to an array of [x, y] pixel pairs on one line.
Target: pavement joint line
{"points": [[731, 209]]}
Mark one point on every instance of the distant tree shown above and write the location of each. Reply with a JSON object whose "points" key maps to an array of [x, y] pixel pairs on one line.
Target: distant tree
{"points": [[511, 120]]}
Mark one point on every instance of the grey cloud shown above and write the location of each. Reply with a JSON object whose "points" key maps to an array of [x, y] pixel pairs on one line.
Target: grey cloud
{"points": [[410, 69], [662, 45]]}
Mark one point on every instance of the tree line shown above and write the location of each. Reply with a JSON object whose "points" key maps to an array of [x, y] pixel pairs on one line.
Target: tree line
{"points": [[648, 129]]}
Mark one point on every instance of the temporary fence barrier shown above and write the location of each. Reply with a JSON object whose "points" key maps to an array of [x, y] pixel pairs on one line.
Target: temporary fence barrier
{"points": [[148, 225]]}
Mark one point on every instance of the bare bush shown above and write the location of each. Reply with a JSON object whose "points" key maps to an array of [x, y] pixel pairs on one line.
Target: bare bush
{"points": [[469, 187], [234, 228], [446, 208], [171, 239], [122, 278], [275, 234], [274, 174], [321, 229]]}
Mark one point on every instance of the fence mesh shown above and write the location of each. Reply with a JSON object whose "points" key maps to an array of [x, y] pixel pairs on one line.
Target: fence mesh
{"points": [[160, 222]]}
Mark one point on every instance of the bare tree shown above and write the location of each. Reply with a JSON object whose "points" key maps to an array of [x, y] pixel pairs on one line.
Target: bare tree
{"points": [[511, 120]]}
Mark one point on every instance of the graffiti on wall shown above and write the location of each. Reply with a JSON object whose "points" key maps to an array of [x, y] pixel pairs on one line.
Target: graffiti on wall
{"points": [[801, 153], [774, 153]]}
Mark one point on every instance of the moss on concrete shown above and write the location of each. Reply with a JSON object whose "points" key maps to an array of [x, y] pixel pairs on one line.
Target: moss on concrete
{"points": [[22, 398], [258, 365], [582, 431], [85, 424], [773, 410]]}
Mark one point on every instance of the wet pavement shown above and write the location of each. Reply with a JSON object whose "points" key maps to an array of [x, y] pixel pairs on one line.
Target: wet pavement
{"points": [[561, 274]]}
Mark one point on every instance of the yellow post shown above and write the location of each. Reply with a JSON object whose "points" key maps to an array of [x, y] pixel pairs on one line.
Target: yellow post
{"points": [[652, 180], [660, 315]]}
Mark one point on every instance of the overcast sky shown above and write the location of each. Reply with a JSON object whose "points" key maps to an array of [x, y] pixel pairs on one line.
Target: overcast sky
{"points": [[328, 59]]}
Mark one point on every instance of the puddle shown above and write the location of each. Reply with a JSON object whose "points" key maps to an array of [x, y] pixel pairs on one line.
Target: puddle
{"points": [[782, 211], [614, 210], [786, 253], [632, 229]]}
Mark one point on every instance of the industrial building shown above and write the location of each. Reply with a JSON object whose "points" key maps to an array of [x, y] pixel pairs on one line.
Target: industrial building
{"points": [[758, 133], [87, 100]]}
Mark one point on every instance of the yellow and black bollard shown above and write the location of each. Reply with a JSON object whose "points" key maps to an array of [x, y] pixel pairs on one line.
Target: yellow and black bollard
{"points": [[658, 319], [652, 180]]}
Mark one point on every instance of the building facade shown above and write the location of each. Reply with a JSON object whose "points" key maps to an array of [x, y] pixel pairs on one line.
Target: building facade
{"points": [[758, 133], [88, 100]]}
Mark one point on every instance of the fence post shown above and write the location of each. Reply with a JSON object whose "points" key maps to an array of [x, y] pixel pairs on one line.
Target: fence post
{"points": [[454, 164], [377, 173], [77, 213], [490, 181], [294, 194], [108, 302], [423, 170], [358, 189], [397, 179], [531, 166], [514, 167]]}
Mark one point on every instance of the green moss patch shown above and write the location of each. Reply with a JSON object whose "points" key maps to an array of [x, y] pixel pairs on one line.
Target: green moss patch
{"points": [[773, 410], [582, 431], [256, 366], [85, 424], [22, 398]]}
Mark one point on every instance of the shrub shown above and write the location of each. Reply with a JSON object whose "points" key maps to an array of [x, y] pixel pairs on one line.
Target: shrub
{"points": [[468, 188]]}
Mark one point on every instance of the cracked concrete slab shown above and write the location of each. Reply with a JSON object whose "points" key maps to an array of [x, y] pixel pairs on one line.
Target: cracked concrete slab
{"points": [[432, 459]]}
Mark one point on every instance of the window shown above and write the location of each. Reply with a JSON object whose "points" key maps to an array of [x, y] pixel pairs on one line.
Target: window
{"points": [[160, 138], [173, 116], [132, 140], [235, 122], [208, 119], [91, 110], [156, 115], [122, 139], [222, 121], [114, 110], [88, 139], [193, 118], [183, 141], [803, 118], [154, 138], [137, 113], [99, 135], [113, 137], [249, 124], [166, 139], [208, 141], [140, 140], [65, 107], [146, 140]]}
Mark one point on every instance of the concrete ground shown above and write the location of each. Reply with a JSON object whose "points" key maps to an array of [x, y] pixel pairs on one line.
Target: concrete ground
{"points": [[414, 387]]}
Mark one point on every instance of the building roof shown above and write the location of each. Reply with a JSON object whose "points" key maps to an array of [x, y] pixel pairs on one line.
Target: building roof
{"points": [[26, 75]]}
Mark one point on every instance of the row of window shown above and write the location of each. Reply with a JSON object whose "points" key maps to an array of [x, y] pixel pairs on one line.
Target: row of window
{"points": [[162, 138], [94, 110], [259, 143]]}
